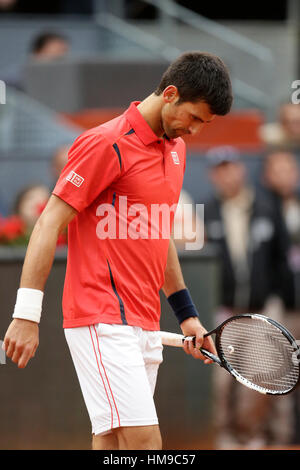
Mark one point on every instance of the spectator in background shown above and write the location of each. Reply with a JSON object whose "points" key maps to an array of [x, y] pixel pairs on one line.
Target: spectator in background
{"points": [[285, 132], [29, 204], [7, 6], [252, 242], [45, 47], [49, 46], [282, 177]]}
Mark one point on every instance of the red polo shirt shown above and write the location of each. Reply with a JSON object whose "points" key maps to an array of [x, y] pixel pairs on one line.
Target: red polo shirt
{"points": [[122, 179]]}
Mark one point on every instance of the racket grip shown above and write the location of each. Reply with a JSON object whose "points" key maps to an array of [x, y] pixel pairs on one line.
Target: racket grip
{"points": [[175, 339], [171, 339]]}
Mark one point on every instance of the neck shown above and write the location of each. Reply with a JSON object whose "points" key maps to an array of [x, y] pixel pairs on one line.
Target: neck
{"points": [[150, 109], [289, 197], [234, 195]]}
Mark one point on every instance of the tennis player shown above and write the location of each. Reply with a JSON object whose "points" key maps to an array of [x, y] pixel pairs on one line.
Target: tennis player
{"points": [[111, 302]]}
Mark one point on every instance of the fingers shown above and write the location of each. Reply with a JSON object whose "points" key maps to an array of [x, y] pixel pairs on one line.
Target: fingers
{"points": [[201, 342], [194, 351], [210, 345], [19, 354], [21, 341], [9, 347], [24, 358]]}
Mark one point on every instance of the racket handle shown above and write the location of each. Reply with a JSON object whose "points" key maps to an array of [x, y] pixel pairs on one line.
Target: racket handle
{"points": [[175, 339], [171, 339]]}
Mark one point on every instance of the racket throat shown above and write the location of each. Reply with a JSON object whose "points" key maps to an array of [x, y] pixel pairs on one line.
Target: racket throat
{"points": [[211, 356]]}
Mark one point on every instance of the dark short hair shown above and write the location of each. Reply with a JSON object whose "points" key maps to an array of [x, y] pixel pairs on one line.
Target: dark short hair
{"points": [[200, 76], [40, 41]]}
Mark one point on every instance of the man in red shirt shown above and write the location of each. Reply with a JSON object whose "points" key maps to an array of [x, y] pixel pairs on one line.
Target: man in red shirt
{"points": [[118, 193]]}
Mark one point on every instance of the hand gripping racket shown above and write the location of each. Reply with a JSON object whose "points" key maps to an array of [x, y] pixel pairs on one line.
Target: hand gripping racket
{"points": [[259, 352]]}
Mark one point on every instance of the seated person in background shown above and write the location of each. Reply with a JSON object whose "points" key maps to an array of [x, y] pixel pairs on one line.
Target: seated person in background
{"points": [[285, 132], [49, 46], [29, 204], [45, 47], [8, 6]]}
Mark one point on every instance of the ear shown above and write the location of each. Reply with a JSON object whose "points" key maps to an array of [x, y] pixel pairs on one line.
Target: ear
{"points": [[170, 94]]}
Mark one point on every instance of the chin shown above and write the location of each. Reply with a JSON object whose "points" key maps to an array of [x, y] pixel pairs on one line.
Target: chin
{"points": [[171, 134]]}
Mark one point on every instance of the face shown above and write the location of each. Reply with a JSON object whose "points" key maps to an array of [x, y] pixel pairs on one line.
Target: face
{"points": [[54, 49], [6, 4], [228, 178], [290, 120], [184, 118], [282, 173], [32, 202]]}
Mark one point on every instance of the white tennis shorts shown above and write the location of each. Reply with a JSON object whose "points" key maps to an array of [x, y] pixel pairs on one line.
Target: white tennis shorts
{"points": [[117, 368]]}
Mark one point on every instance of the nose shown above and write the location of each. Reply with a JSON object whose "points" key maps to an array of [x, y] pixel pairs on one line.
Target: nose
{"points": [[195, 128]]}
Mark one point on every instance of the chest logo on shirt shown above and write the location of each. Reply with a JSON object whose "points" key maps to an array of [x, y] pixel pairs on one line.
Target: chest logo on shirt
{"points": [[175, 158], [75, 179]]}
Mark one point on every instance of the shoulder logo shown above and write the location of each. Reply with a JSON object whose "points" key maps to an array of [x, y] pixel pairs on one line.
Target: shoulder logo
{"points": [[75, 179], [175, 158]]}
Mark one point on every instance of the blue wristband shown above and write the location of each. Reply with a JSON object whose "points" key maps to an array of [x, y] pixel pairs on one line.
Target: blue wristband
{"points": [[182, 305]]}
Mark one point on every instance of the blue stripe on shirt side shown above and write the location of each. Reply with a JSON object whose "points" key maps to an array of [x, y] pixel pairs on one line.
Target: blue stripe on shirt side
{"points": [[117, 150], [122, 309]]}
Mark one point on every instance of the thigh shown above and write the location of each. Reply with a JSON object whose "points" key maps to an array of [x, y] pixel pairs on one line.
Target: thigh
{"points": [[112, 375]]}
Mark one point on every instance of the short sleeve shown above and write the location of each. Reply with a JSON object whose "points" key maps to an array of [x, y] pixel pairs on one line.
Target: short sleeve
{"points": [[92, 166]]}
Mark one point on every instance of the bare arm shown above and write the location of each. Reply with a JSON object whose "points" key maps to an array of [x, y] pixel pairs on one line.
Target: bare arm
{"points": [[191, 326], [173, 276], [42, 245], [21, 339]]}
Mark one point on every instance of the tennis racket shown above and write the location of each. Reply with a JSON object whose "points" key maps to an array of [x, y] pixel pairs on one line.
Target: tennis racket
{"points": [[257, 351]]}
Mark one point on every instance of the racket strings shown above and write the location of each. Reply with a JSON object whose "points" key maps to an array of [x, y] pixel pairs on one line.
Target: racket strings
{"points": [[260, 354]]}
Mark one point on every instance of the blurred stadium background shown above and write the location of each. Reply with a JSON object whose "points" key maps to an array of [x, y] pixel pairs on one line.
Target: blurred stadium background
{"points": [[109, 54]]}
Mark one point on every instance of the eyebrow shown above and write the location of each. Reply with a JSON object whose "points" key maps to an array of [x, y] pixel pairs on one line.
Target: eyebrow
{"points": [[200, 119]]}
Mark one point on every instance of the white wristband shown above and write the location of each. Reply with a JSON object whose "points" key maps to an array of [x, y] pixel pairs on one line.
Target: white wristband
{"points": [[29, 304]]}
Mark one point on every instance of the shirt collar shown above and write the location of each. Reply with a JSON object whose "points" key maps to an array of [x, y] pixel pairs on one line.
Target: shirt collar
{"points": [[140, 126]]}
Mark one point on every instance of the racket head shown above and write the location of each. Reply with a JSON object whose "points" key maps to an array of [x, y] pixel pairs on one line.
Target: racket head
{"points": [[259, 352]]}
